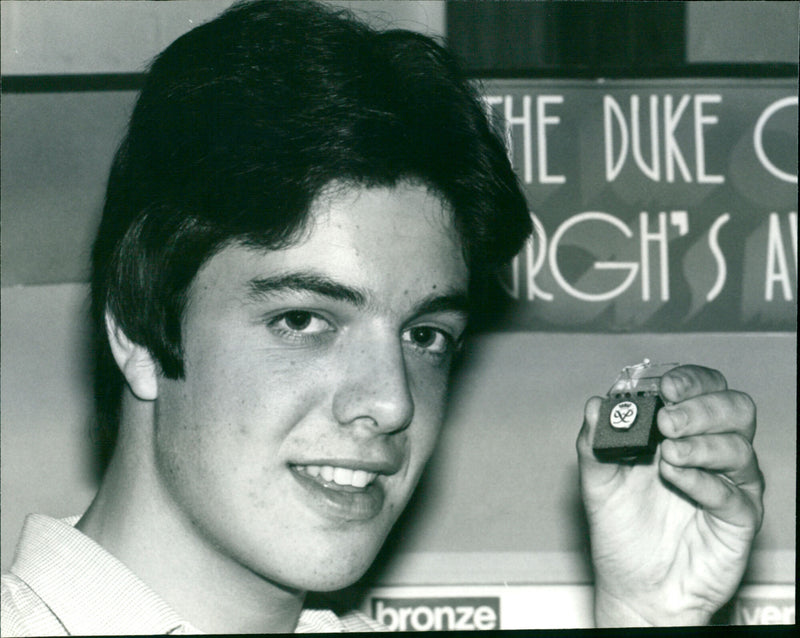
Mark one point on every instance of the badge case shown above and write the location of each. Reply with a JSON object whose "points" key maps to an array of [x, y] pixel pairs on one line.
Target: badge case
{"points": [[627, 424]]}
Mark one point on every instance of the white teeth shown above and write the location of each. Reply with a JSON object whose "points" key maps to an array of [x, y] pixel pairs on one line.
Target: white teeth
{"points": [[343, 476], [339, 475], [362, 478]]}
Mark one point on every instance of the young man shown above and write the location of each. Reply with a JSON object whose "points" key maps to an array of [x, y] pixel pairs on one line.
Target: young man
{"points": [[301, 218]]}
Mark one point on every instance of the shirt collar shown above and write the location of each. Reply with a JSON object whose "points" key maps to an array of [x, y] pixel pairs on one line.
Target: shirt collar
{"points": [[89, 590], [318, 620]]}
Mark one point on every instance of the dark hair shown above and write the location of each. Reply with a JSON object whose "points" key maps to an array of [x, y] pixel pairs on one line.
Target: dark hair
{"points": [[240, 125]]}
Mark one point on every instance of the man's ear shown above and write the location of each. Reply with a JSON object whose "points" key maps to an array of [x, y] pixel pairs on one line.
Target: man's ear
{"points": [[135, 362]]}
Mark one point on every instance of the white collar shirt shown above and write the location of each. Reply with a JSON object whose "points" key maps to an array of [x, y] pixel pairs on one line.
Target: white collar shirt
{"points": [[63, 583]]}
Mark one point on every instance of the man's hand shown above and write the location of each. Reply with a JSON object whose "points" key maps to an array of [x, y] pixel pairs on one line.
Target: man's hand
{"points": [[671, 538]]}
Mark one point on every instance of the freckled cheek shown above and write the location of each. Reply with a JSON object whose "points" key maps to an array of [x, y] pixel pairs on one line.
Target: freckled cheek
{"points": [[222, 460], [430, 401], [262, 392], [227, 445]]}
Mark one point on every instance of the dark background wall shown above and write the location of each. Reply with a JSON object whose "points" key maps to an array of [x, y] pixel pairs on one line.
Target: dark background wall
{"points": [[566, 38]]}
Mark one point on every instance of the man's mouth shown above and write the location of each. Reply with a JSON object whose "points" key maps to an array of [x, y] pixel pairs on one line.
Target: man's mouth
{"points": [[340, 476], [341, 492]]}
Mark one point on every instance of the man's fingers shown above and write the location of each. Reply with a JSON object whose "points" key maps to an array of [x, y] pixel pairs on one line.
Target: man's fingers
{"points": [[591, 413], [713, 413], [595, 474], [729, 454], [718, 495], [685, 382], [718, 471]]}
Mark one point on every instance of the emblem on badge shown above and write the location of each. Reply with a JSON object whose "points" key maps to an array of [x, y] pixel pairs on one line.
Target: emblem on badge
{"points": [[623, 415]]}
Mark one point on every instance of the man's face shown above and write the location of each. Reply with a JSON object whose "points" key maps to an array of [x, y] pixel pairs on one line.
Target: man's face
{"points": [[315, 386]]}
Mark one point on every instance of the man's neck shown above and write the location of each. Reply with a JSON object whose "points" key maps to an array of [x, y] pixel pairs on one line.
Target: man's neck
{"points": [[210, 590]]}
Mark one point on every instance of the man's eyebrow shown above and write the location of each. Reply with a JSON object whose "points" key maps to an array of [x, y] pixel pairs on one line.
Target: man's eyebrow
{"points": [[446, 302], [305, 282]]}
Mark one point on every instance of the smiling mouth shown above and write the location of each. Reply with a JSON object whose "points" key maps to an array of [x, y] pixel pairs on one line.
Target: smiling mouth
{"points": [[341, 493], [331, 476]]}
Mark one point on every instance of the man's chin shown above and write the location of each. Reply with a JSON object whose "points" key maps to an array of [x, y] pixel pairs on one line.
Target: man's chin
{"points": [[327, 579], [337, 568]]}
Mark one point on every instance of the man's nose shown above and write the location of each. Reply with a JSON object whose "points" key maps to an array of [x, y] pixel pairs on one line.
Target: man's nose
{"points": [[374, 388]]}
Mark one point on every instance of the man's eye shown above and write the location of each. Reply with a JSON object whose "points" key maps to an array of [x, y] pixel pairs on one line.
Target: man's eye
{"points": [[430, 339], [300, 322]]}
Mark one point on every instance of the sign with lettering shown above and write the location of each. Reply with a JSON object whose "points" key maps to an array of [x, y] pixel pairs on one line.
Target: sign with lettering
{"points": [[763, 611], [543, 606], [658, 205], [437, 614]]}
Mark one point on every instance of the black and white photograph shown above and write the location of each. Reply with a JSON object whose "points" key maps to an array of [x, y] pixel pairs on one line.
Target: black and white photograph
{"points": [[330, 316]]}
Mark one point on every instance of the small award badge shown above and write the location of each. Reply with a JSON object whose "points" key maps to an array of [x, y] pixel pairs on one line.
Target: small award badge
{"points": [[627, 427]]}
